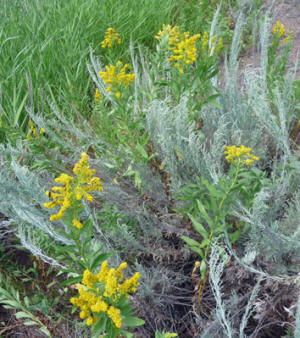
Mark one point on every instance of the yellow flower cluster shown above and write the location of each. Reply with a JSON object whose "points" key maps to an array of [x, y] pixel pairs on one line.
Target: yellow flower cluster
{"points": [[279, 30], [110, 37], [73, 189], [215, 46], [240, 154], [94, 299], [33, 133], [172, 33], [97, 96], [117, 77], [183, 45], [184, 50]]}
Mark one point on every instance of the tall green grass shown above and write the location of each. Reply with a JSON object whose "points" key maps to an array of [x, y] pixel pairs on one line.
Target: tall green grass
{"points": [[44, 47]]}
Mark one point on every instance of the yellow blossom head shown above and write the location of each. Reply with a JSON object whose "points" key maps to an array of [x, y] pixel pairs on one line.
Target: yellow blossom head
{"points": [[279, 32], [279, 29], [73, 189], [101, 292], [117, 77], [110, 38], [97, 96], [240, 155]]}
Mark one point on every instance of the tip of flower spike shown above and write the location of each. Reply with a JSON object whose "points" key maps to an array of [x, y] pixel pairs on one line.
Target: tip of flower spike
{"points": [[77, 224], [97, 96], [55, 217]]}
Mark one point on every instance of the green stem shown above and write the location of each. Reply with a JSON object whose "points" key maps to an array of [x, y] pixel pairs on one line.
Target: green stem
{"points": [[230, 188], [77, 239], [216, 220]]}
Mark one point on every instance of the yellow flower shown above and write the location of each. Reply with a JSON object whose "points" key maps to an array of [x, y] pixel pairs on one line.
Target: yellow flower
{"points": [[214, 46], [205, 41], [279, 29], [110, 37], [73, 188], [89, 279], [164, 32], [240, 154], [103, 297], [184, 51], [102, 274], [33, 132], [290, 36], [117, 78], [119, 272], [115, 316], [279, 32], [174, 36], [32, 128], [97, 96], [91, 320], [83, 314], [111, 284], [100, 306], [77, 224], [130, 285]]}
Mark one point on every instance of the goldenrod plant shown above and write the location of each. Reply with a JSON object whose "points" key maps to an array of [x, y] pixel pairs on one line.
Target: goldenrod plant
{"points": [[69, 197], [278, 53], [213, 214], [110, 297], [111, 38], [118, 78], [33, 132], [104, 300], [194, 58]]}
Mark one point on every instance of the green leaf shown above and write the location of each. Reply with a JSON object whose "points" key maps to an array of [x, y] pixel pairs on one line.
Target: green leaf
{"points": [[190, 241], [100, 258], [100, 326], [204, 243], [131, 321], [126, 334], [18, 112], [69, 281], [88, 230], [193, 245], [45, 331], [197, 250], [22, 314], [234, 236], [26, 301], [199, 227], [204, 214], [30, 323], [212, 190], [5, 293], [203, 268], [142, 151], [137, 179], [11, 303]]}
